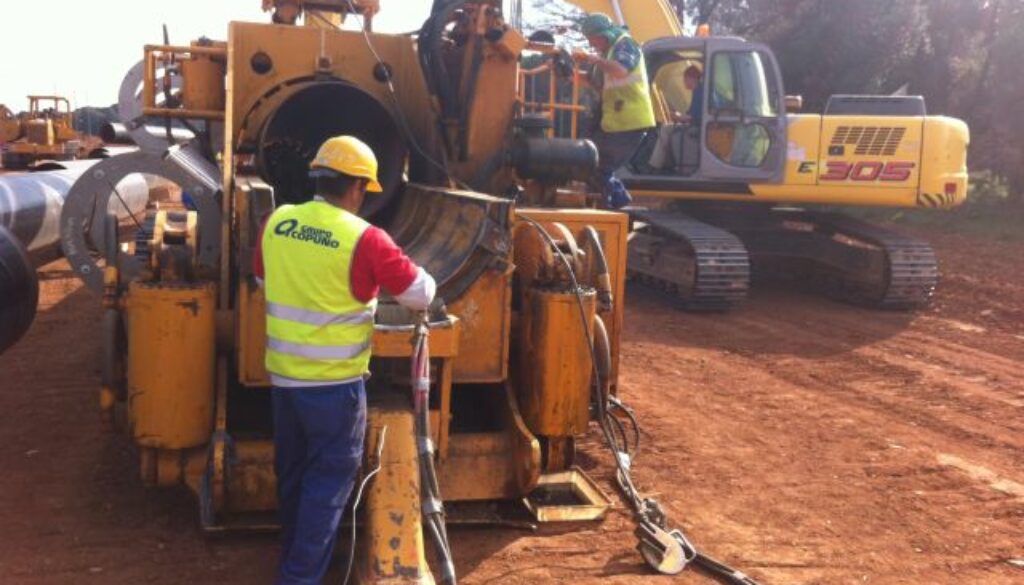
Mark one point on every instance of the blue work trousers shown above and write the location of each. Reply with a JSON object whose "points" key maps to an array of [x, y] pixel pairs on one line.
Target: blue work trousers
{"points": [[614, 150], [318, 448]]}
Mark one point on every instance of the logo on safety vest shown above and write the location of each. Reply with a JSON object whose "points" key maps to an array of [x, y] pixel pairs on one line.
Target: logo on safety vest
{"points": [[290, 228]]}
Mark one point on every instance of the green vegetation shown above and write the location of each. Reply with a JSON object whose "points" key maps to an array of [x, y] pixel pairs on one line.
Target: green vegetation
{"points": [[989, 212]]}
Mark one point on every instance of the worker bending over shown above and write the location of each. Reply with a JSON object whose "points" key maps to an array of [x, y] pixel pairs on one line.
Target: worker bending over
{"points": [[626, 111], [323, 267]]}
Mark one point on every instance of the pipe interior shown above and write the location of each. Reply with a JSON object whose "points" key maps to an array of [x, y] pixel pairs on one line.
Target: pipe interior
{"points": [[296, 129]]}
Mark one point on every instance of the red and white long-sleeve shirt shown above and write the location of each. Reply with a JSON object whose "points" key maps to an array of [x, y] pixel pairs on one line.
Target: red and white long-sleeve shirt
{"points": [[377, 263]]}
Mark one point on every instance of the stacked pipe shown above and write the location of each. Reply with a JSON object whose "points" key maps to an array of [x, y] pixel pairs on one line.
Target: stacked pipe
{"points": [[30, 208], [116, 133]]}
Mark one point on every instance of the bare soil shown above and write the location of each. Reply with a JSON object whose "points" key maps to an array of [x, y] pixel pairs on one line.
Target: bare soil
{"points": [[802, 440]]}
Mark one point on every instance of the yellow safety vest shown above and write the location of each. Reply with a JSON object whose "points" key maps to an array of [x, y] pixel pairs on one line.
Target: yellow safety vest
{"points": [[626, 103], [317, 332]]}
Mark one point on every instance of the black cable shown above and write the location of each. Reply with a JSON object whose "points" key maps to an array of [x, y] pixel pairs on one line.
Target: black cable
{"points": [[616, 405], [647, 510], [443, 167], [430, 491], [358, 499], [124, 203]]}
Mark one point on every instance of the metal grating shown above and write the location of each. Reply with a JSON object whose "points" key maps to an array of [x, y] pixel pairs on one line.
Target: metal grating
{"points": [[870, 140]]}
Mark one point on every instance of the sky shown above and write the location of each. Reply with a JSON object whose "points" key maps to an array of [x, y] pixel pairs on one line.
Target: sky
{"points": [[82, 48]]}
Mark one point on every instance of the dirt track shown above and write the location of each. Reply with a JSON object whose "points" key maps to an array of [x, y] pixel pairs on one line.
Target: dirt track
{"points": [[803, 440]]}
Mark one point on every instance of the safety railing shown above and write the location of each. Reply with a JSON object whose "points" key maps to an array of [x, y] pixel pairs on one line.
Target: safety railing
{"points": [[169, 59], [539, 93]]}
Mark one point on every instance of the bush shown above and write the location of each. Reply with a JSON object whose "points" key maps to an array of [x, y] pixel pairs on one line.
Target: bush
{"points": [[987, 190]]}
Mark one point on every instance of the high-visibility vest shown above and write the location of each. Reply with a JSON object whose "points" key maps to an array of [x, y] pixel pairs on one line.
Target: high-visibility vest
{"points": [[626, 102], [317, 332]]}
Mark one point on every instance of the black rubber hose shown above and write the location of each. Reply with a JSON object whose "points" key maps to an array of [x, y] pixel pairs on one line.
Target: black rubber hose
{"points": [[591, 242], [19, 290], [430, 491], [432, 59], [603, 353]]}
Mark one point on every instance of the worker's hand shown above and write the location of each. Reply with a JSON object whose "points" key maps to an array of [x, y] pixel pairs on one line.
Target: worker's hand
{"points": [[585, 57]]}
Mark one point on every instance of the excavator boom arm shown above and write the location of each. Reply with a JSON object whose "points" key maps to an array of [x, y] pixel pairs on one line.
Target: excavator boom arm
{"points": [[647, 19]]}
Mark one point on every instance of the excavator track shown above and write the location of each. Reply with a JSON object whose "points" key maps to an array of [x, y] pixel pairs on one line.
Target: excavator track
{"points": [[911, 268], [850, 259], [707, 267]]}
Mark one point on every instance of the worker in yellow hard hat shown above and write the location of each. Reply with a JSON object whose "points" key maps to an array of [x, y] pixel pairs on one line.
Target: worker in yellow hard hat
{"points": [[323, 267], [626, 110]]}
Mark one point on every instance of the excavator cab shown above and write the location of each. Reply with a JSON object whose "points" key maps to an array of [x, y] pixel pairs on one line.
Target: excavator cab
{"points": [[738, 135]]}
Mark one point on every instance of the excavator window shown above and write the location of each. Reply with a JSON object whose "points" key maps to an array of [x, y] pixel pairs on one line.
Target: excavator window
{"points": [[742, 97], [674, 147], [734, 133]]}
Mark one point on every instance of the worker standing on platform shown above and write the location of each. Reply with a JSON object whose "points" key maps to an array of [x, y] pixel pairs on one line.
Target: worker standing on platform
{"points": [[626, 110], [323, 267]]}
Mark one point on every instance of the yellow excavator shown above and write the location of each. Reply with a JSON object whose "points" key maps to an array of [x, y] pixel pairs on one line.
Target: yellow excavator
{"points": [[735, 175], [10, 125]]}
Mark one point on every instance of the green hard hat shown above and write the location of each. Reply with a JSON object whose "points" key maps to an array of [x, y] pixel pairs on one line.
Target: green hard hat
{"points": [[596, 24]]}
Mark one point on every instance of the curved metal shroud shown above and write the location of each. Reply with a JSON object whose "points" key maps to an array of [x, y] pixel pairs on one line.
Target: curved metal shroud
{"points": [[454, 235], [196, 176]]}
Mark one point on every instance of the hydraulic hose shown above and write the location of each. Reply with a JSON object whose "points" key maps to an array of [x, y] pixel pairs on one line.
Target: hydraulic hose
{"points": [[359, 499], [432, 57], [667, 550], [591, 242], [430, 491]]}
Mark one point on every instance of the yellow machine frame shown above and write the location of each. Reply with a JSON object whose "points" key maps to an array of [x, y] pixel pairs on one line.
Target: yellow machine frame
{"points": [[512, 370]]}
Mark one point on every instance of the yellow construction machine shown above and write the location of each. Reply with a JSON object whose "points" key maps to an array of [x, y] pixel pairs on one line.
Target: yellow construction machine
{"points": [[524, 347], [10, 125], [735, 174], [45, 132]]}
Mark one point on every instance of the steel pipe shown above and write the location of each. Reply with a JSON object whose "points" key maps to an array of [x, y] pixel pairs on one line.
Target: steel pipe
{"points": [[116, 133], [31, 204], [314, 112], [30, 209], [19, 290]]}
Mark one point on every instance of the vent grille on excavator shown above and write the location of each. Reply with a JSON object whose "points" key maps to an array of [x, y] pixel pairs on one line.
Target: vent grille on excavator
{"points": [[870, 140]]}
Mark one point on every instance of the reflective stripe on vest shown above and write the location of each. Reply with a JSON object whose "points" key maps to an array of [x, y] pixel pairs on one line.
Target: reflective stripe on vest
{"points": [[318, 318], [316, 330], [318, 352], [626, 102]]}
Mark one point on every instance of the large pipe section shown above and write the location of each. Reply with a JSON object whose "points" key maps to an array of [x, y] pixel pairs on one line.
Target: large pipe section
{"points": [[30, 205], [30, 209], [19, 290], [116, 133], [314, 112]]}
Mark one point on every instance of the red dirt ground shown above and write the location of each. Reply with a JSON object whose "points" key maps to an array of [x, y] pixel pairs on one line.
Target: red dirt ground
{"points": [[803, 440]]}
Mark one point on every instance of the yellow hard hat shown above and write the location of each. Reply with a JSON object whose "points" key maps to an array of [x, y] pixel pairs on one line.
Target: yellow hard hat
{"points": [[346, 155]]}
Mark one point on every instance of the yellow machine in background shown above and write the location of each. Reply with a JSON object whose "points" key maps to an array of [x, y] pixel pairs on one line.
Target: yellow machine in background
{"points": [[10, 125], [45, 132], [753, 152], [524, 350]]}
